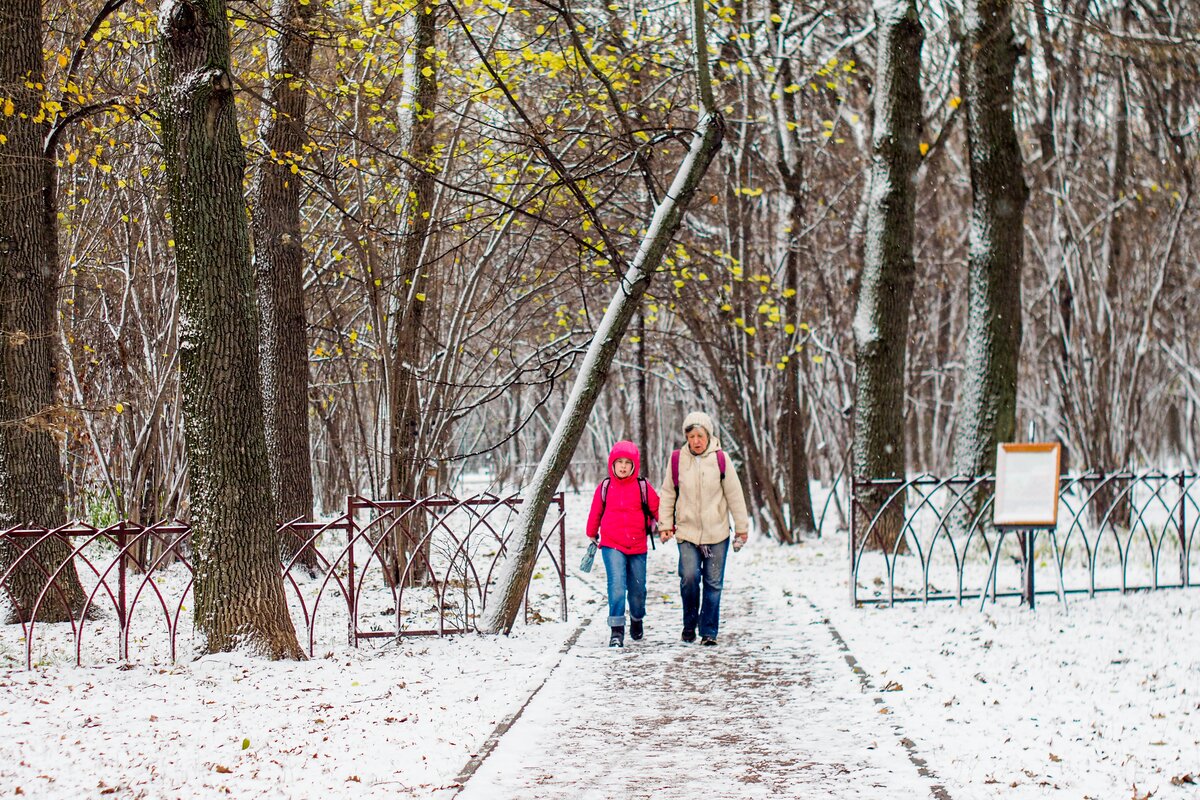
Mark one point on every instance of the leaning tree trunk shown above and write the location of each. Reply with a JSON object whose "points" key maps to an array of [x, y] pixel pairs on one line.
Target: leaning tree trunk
{"points": [[239, 599], [279, 271], [514, 577], [502, 608], [885, 293], [31, 474], [998, 193]]}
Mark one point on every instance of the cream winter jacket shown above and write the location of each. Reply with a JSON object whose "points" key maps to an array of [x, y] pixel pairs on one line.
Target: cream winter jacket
{"points": [[701, 512]]}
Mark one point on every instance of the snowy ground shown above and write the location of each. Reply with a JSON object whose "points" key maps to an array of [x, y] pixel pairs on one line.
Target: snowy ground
{"points": [[1002, 703]]}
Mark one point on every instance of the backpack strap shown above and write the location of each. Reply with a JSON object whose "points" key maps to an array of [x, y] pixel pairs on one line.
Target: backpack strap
{"points": [[647, 517], [675, 466], [604, 494]]}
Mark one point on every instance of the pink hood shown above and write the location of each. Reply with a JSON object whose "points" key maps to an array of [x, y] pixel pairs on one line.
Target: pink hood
{"points": [[618, 518]]}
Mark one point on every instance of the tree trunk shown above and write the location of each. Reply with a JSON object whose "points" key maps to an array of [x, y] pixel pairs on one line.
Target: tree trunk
{"points": [[505, 602], [998, 193], [31, 474], [413, 287], [794, 420], [239, 599], [411, 278], [885, 291], [279, 270]]}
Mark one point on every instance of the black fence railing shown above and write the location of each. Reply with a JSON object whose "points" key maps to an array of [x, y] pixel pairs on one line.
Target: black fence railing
{"points": [[929, 538]]}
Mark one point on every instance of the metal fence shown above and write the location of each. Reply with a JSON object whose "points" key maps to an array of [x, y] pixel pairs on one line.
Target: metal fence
{"points": [[383, 569], [929, 538]]}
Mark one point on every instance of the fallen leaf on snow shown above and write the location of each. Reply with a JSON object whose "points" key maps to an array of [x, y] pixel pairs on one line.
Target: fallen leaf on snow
{"points": [[221, 768]]}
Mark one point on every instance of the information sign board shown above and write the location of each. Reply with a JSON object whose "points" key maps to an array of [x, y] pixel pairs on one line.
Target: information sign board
{"points": [[1027, 485]]}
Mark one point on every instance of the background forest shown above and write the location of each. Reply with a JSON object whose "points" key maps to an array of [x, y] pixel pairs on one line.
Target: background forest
{"points": [[443, 195]]}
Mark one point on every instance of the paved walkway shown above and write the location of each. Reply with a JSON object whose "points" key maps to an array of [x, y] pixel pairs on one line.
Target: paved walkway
{"points": [[772, 711]]}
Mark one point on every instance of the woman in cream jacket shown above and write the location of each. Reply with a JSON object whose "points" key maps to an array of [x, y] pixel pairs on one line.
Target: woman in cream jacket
{"points": [[697, 513]]}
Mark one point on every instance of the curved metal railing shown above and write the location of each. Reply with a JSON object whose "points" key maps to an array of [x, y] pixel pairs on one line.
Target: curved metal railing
{"points": [[928, 538], [383, 569]]}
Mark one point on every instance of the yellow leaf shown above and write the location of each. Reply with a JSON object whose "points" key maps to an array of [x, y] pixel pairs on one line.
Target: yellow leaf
{"points": [[119, 408], [9, 108], [924, 147], [420, 297], [955, 102]]}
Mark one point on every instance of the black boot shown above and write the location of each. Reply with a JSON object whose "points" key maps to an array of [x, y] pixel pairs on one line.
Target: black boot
{"points": [[635, 629], [618, 637], [688, 635]]}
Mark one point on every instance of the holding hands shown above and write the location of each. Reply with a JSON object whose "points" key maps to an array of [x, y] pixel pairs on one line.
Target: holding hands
{"points": [[665, 533]]}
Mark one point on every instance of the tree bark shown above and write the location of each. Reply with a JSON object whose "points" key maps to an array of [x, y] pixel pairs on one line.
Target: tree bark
{"points": [[31, 474], [885, 290], [239, 598], [279, 270], [998, 194]]}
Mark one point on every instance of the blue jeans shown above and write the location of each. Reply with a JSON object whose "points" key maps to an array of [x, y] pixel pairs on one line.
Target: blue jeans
{"points": [[693, 566], [626, 575]]}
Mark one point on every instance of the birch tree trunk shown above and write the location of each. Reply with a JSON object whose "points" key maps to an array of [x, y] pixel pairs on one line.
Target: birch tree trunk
{"points": [[279, 270], [885, 291], [998, 193], [239, 599], [505, 601], [31, 474]]}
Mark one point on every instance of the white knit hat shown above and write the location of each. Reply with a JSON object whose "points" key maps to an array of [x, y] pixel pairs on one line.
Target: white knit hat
{"points": [[701, 419]]}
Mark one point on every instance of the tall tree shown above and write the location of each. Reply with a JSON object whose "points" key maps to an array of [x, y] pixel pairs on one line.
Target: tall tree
{"points": [[514, 577], [279, 266], [412, 282], [794, 422], [239, 598], [31, 474], [998, 195], [886, 287]]}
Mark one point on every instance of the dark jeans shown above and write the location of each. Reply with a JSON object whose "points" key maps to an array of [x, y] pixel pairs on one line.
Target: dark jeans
{"points": [[626, 575], [695, 568]]}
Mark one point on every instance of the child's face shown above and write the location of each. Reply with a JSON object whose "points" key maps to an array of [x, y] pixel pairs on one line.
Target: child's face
{"points": [[623, 467]]}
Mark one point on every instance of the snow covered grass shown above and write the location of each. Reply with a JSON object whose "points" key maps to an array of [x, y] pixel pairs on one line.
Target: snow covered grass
{"points": [[1083, 701]]}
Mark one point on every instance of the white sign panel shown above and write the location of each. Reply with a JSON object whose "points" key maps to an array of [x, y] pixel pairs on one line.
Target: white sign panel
{"points": [[1027, 485]]}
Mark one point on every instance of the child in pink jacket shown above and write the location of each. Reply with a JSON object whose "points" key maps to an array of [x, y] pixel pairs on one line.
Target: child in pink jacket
{"points": [[623, 510]]}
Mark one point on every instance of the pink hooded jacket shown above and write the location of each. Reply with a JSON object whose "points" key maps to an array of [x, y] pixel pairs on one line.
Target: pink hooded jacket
{"points": [[622, 524]]}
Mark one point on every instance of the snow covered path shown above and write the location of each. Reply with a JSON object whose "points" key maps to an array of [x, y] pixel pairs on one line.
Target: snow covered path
{"points": [[772, 711]]}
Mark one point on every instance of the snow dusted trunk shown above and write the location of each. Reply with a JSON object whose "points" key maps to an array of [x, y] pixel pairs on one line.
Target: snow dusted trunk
{"points": [[885, 292], [279, 269], [998, 192], [505, 602], [239, 599], [31, 474], [506, 598]]}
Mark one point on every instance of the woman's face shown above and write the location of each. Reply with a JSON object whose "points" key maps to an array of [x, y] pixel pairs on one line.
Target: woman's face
{"points": [[697, 440], [623, 467]]}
